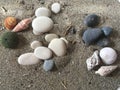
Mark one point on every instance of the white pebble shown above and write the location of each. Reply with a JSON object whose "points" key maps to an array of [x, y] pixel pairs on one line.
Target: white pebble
{"points": [[55, 8], [35, 44], [58, 47], [118, 88], [42, 24], [50, 37], [28, 59], [108, 55], [42, 11], [43, 53], [65, 40], [48, 65]]}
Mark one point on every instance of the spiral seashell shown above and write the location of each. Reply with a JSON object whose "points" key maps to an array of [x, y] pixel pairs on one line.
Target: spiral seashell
{"points": [[93, 61], [10, 23], [106, 70], [22, 25]]}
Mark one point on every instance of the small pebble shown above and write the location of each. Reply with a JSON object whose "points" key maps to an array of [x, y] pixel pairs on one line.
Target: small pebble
{"points": [[108, 55], [42, 11], [48, 65], [58, 46], [42, 24], [92, 20], [35, 44], [118, 88], [90, 36], [28, 59], [103, 42], [9, 40], [65, 40], [43, 53], [50, 37], [107, 30], [55, 8]]}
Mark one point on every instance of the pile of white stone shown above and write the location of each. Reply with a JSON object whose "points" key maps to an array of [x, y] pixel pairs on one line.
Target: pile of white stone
{"points": [[56, 47]]}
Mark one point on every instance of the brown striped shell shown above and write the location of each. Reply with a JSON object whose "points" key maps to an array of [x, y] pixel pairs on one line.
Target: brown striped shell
{"points": [[22, 25], [10, 23]]}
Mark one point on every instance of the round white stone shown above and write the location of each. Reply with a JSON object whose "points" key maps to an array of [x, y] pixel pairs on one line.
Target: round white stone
{"points": [[108, 55], [42, 24], [58, 47], [56, 8], [35, 44], [65, 40], [50, 37], [28, 59], [43, 53], [42, 11]]}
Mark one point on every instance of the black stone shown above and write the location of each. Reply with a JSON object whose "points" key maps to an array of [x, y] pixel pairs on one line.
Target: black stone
{"points": [[90, 36], [107, 30], [92, 20], [103, 42]]}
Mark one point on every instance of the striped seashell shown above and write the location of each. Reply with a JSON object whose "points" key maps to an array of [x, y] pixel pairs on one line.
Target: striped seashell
{"points": [[10, 23], [22, 25]]}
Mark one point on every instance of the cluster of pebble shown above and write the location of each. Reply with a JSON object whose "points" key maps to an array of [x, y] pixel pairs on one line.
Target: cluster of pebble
{"points": [[100, 36], [57, 46]]}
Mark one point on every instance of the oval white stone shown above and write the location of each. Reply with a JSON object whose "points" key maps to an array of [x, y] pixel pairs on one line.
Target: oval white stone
{"points": [[35, 44], [50, 37], [43, 53], [56, 7], [58, 47], [28, 59], [108, 55], [42, 11], [42, 24]]}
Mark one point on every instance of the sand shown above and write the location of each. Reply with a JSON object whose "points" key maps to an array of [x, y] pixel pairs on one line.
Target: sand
{"points": [[71, 72]]}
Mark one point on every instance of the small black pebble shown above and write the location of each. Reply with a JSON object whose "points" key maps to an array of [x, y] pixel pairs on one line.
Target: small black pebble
{"points": [[90, 36], [103, 42], [92, 20]]}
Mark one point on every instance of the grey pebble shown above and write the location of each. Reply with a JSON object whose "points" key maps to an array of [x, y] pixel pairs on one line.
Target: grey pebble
{"points": [[48, 65], [103, 42], [107, 30], [90, 36]]}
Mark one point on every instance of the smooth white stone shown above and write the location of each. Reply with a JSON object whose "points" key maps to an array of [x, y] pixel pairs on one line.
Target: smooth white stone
{"points": [[48, 65], [28, 59], [43, 53], [42, 24], [36, 33], [55, 8], [35, 44], [108, 55], [50, 37], [58, 47], [65, 40], [42, 11]]}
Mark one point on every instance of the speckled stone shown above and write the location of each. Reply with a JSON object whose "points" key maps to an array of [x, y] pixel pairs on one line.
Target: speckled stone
{"points": [[48, 65]]}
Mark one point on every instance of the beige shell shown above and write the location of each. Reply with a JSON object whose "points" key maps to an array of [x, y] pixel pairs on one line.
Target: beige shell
{"points": [[93, 61], [106, 70], [22, 25]]}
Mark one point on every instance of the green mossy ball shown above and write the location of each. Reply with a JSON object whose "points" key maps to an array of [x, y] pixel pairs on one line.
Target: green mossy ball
{"points": [[9, 40]]}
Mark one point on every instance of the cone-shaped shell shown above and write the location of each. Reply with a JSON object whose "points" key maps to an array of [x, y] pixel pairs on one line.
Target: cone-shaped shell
{"points": [[105, 70], [93, 61], [22, 25], [10, 23]]}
